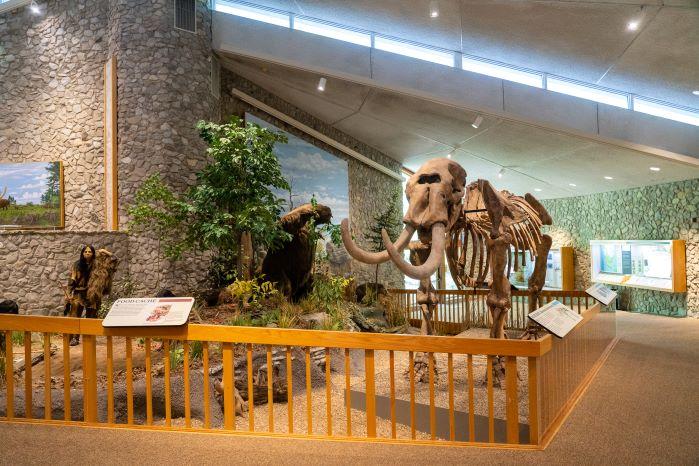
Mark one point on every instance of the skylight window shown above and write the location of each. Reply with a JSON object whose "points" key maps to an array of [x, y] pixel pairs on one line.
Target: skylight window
{"points": [[253, 12], [587, 91], [670, 112], [505, 72], [333, 31], [409, 49]]}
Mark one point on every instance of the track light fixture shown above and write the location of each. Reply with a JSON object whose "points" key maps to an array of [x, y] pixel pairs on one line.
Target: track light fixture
{"points": [[477, 122], [501, 172], [321, 84], [434, 9]]}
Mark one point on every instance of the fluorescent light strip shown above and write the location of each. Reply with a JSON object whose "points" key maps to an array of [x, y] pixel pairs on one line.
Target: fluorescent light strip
{"points": [[413, 50], [252, 12], [586, 91], [334, 32], [665, 111], [507, 73]]}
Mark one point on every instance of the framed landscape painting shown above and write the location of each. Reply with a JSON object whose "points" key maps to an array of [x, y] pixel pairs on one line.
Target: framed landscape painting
{"points": [[31, 195]]}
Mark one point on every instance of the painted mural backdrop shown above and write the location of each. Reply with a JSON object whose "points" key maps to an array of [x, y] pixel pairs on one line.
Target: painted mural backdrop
{"points": [[30, 194], [311, 171]]}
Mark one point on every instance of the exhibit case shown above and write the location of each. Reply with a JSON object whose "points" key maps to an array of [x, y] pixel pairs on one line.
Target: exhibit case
{"points": [[655, 265], [560, 272]]}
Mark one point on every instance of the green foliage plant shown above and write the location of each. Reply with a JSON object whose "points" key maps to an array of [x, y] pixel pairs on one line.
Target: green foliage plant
{"points": [[250, 293], [388, 220], [232, 196], [176, 357]]}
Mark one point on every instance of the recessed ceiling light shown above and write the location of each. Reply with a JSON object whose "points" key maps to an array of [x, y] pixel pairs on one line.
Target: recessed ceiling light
{"points": [[477, 122], [501, 173], [695, 92], [321, 84], [538, 190], [608, 178], [434, 9], [655, 169], [632, 25], [572, 184]]}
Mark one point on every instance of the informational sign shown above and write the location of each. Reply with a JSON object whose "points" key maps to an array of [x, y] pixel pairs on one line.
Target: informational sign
{"points": [[556, 317], [148, 312], [601, 293]]}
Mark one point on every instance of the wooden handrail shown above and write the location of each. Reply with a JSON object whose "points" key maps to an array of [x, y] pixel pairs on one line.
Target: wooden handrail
{"points": [[283, 337], [485, 291]]}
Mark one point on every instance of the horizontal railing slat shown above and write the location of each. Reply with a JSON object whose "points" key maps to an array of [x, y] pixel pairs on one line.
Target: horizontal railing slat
{"points": [[285, 337]]}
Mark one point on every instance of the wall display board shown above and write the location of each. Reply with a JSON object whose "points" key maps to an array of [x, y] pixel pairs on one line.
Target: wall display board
{"points": [[31, 195], [556, 317], [148, 312], [601, 293], [560, 271], [655, 265]]}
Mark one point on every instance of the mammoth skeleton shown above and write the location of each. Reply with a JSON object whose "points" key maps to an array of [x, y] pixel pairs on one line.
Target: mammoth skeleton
{"points": [[475, 226]]}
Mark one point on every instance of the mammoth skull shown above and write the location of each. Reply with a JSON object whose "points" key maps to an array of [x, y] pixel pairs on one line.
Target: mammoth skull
{"points": [[434, 193]]}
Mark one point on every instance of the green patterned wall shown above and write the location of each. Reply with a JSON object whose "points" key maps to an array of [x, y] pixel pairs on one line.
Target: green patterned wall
{"points": [[657, 212]]}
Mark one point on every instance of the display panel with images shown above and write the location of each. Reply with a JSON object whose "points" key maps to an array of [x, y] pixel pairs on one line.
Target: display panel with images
{"points": [[31, 195], [554, 270], [644, 264]]}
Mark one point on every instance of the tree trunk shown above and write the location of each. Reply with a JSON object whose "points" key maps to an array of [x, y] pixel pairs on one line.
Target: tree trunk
{"points": [[244, 259]]}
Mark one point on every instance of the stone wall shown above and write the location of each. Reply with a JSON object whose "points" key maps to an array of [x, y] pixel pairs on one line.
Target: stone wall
{"points": [[51, 97], [34, 265], [370, 191], [657, 212]]}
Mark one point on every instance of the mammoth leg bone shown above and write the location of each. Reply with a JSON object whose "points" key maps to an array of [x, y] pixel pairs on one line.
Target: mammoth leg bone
{"points": [[372, 257], [498, 297], [427, 300], [537, 281]]}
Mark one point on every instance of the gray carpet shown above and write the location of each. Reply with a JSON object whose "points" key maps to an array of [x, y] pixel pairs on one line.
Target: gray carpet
{"points": [[643, 408]]}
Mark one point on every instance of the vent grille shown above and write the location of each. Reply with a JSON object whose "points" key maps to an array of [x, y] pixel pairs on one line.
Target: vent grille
{"points": [[185, 15], [215, 78]]}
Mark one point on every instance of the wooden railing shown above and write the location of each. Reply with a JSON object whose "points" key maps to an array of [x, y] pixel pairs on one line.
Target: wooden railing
{"points": [[374, 396], [459, 310]]}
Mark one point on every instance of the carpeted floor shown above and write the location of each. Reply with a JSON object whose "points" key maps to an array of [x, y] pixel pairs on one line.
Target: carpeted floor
{"points": [[643, 408]]}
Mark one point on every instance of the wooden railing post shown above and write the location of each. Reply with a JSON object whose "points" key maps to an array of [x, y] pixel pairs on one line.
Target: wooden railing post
{"points": [[90, 377], [370, 393], [534, 408]]}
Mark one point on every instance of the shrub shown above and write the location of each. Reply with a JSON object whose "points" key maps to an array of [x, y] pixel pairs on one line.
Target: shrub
{"points": [[395, 314], [176, 357], [249, 293], [196, 350]]}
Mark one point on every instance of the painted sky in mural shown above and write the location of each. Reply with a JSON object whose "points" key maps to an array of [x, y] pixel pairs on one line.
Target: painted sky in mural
{"points": [[310, 170], [25, 182]]}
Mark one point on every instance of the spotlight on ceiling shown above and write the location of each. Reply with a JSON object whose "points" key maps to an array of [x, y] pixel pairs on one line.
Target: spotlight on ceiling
{"points": [[477, 122], [608, 178], [632, 25], [434, 9], [451, 153], [538, 190], [321, 84], [655, 169], [501, 173], [34, 7], [572, 184], [695, 92]]}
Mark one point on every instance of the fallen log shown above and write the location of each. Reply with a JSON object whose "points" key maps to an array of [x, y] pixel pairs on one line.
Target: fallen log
{"points": [[35, 360]]}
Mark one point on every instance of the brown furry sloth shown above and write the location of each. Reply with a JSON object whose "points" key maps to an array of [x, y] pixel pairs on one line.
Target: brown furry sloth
{"points": [[290, 266]]}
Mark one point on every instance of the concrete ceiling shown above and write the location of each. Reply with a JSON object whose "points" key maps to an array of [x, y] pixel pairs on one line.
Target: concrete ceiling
{"points": [[413, 130], [584, 40]]}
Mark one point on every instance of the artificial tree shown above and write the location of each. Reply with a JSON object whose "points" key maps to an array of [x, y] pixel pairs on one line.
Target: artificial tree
{"points": [[231, 204], [388, 220]]}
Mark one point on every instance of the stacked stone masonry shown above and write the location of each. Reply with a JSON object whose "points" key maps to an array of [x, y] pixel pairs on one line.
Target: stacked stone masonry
{"points": [[659, 212]]}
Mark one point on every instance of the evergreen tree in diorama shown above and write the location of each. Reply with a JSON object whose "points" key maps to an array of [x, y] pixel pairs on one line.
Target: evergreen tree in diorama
{"points": [[50, 197], [229, 209], [390, 221]]}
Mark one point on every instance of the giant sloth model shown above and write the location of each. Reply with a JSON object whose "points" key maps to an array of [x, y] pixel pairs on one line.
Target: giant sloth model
{"points": [[290, 266]]}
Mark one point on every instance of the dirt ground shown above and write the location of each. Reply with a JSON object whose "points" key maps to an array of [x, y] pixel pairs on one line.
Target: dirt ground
{"points": [[280, 410]]}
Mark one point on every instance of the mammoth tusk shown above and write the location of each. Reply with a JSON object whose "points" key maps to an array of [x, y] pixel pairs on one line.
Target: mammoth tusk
{"points": [[372, 257], [431, 264]]}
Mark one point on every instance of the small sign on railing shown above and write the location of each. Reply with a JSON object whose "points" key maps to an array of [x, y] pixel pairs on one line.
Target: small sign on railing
{"points": [[148, 312], [556, 317], [601, 293]]}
